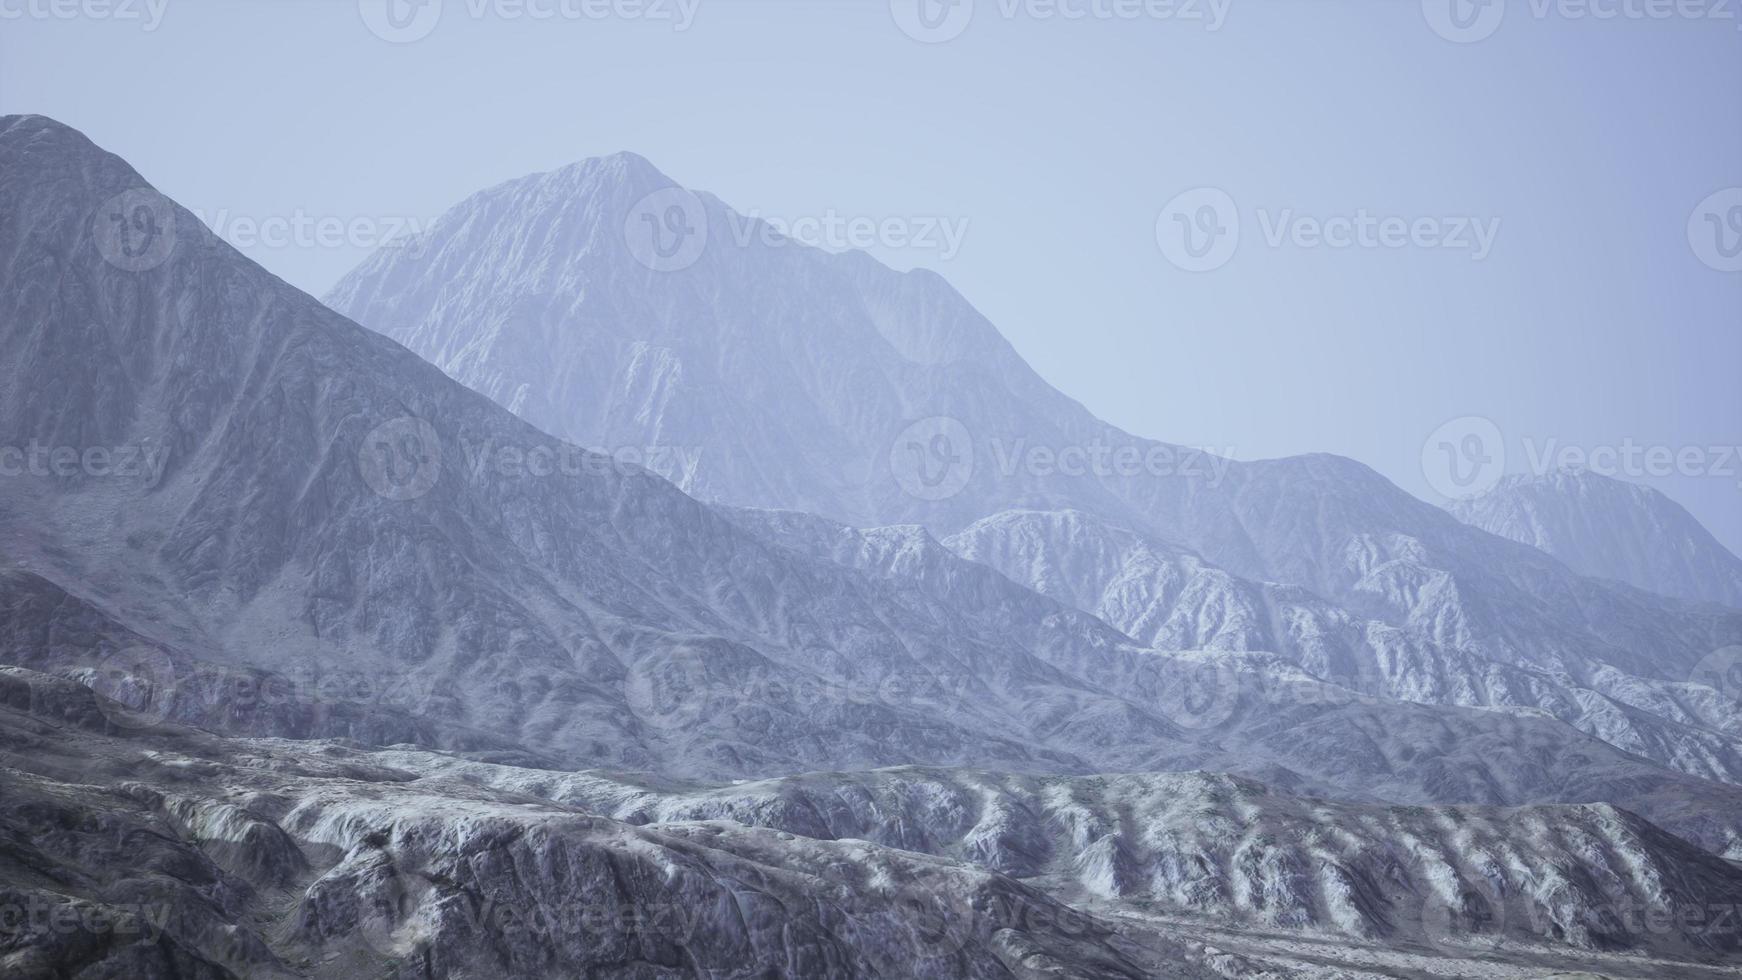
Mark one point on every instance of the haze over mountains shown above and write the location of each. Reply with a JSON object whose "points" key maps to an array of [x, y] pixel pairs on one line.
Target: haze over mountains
{"points": [[1608, 528], [445, 662], [787, 377]]}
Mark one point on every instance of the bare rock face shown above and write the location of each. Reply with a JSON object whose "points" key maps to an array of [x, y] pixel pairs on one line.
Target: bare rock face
{"points": [[1174, 600], [226, 858], [356, 674], [232, 857], [1607, 528], [269, 582], [1231, 849], [764, 373]]}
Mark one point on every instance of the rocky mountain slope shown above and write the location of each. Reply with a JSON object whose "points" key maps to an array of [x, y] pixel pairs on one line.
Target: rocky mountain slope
{"points": [[1174, 600], [215, 857], [597, 618], [334, 541], [779, 376], [1608, 528], [165, 853], [588, 611]]}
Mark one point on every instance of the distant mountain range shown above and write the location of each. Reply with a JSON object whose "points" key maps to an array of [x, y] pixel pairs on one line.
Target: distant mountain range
{"points": [[446, 662], [785, 377], [1607, 528]]}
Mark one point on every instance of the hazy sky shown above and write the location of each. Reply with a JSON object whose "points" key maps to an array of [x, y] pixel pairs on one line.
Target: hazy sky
{"points": [[1554, 261]]}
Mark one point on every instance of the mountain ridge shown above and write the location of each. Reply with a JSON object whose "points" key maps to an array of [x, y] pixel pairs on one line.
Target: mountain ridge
{"points": [[1610, 528]]}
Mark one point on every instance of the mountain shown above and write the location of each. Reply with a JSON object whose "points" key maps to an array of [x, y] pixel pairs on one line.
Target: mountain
{"points": [[1171, 599], [212, 858], [758, 372], [588, 610], [331, 547], [1208, 845], [217, 857], [272, 581], [1608, 528]]}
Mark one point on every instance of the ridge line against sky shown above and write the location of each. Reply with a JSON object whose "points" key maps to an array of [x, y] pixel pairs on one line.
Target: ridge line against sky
{"points": [[1589, 322]]}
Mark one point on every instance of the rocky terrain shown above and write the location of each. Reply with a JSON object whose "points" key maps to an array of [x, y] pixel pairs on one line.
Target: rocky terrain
{"points": [[178, 853], [358, 674], [167, 853], [1174, 600], [1612, 529], [780, 376], [773, 375]]}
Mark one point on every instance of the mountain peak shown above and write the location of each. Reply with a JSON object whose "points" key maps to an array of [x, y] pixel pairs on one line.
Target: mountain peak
{"points": [[25, 123], [1610, 528], [28, 132], [622, 172]]}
